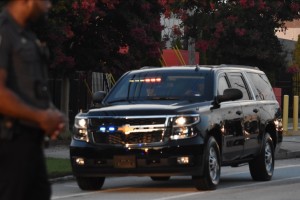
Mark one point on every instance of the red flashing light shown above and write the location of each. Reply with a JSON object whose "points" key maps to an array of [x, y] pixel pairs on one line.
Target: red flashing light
{"points": [[153, 80]]}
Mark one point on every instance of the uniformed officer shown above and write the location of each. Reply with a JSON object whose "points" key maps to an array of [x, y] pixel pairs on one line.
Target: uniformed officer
{"points": [[26, 113]]}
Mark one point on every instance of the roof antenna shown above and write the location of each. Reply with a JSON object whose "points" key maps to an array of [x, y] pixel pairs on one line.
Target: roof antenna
{"points": [[197, 68]]}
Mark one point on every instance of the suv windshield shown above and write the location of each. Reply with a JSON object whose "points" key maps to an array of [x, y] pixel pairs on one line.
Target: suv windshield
{"points": [[163, 85]]}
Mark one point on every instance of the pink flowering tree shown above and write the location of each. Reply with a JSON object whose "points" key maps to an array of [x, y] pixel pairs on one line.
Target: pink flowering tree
{"points": [[237, 31], [92, 34], [102, 35]]}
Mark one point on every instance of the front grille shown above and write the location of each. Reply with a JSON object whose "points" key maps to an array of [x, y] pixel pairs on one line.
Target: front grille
{"points": [[123, 121], [132, 138], [151, 130]]}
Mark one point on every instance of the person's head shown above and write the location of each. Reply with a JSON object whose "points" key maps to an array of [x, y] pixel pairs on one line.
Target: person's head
{"points": [[39, 9], [31, 11], [201, 87]]}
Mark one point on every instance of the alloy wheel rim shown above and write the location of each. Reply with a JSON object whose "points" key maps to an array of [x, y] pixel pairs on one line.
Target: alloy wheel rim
{"points": [[213, 165], [268, 158]]}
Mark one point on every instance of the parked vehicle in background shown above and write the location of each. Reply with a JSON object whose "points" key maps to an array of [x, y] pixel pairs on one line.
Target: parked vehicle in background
{"points": [[188, 120]]}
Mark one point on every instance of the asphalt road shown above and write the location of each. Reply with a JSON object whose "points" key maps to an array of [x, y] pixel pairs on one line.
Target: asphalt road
{"points": [[236, 183]]}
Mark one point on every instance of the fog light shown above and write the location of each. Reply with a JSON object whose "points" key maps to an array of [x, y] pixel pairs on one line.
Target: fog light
{"points": [[183, 160], [79, 161]]}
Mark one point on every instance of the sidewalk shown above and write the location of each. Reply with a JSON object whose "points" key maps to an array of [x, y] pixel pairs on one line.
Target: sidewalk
{"points": [[290, 147]]}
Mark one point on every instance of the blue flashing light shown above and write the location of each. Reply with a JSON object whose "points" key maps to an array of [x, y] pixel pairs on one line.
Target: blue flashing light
{"points": [[102, 129], [105, 129], [111, 129]]}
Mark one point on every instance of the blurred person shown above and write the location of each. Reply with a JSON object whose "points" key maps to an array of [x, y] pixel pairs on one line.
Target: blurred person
{"points": [[26, 112], [150, 90], [196, 90]]}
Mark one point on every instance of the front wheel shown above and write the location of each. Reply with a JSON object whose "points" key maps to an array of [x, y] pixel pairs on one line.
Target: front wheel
{"points": [[262, 167], [212, 169], [90, 183]]}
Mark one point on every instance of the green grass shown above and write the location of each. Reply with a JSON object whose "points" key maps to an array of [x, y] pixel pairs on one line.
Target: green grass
{"points": [[58, 167]]}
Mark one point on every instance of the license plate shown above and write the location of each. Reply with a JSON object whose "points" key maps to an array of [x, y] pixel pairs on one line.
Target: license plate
{"points": [[124, 162]]}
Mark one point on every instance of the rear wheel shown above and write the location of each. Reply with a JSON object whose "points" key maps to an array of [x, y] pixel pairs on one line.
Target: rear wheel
{"points": [[212, 169], [262, 167], [160, 178], [90, 183]]}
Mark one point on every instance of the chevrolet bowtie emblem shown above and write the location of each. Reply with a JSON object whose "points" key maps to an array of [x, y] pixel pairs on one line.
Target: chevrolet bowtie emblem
{"points": [[127, 129]]}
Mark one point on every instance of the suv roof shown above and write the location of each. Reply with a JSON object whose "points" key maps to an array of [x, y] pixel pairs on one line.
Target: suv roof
{"points": [[222, 66]]}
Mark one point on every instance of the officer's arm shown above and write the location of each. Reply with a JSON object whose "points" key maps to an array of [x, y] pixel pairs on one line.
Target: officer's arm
{"points": [[50, 120], [11, 105]]}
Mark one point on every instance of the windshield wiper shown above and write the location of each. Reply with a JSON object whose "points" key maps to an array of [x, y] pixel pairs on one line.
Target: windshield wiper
{"points": [[163, 98]]}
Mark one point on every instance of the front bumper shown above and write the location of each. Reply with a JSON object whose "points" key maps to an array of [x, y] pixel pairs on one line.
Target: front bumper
{"points": [[174, 158]]}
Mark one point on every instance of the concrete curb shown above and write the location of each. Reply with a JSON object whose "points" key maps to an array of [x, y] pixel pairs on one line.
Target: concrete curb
{"points": [[284, 154], [292, 133], [62, 179]]}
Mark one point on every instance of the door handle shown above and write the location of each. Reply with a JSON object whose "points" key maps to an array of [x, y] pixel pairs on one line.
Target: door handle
{"points": [[255, 110], [239, 112]]}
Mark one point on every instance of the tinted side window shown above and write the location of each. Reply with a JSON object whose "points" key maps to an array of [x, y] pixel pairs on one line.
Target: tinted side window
{"points": [[237, 81], [222, 84], [262, 87]]}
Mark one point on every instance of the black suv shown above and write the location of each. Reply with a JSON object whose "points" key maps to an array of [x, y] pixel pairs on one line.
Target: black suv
{"points": [[191, 120]]}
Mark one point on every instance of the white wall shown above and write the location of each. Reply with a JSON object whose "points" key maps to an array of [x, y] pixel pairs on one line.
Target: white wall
{"points": [[289, 34], [289, 38]]}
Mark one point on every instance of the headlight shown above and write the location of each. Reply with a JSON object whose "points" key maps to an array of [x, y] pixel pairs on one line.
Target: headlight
{"points": [[81, 122], [185, 120], [80, 129], [182, 127], [181, 121]]}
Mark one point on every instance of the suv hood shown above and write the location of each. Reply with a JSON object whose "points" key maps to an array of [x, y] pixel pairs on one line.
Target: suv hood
{"points": [[146, 109]]}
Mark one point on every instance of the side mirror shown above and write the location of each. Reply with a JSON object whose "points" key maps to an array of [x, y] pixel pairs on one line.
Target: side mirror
{"points": [[230, 94], [98, 98]]}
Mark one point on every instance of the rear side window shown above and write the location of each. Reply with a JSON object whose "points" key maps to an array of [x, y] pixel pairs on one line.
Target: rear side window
{"points": [[237, 81], [262, 87]]}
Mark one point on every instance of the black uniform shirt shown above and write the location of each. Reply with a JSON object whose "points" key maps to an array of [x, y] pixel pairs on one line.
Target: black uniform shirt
{"points": [[21, 55]]}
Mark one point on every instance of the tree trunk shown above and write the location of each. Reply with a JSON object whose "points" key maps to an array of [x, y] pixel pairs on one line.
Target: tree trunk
{"points": [[64, 100]]}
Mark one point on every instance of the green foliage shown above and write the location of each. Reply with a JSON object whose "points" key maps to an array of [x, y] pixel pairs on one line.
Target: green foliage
{"points": [[58, 167]]}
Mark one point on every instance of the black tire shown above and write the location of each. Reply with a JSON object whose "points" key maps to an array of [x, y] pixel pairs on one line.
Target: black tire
{"points": [[212, 167], [160, 178], [262, 167], [90, 183]]}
